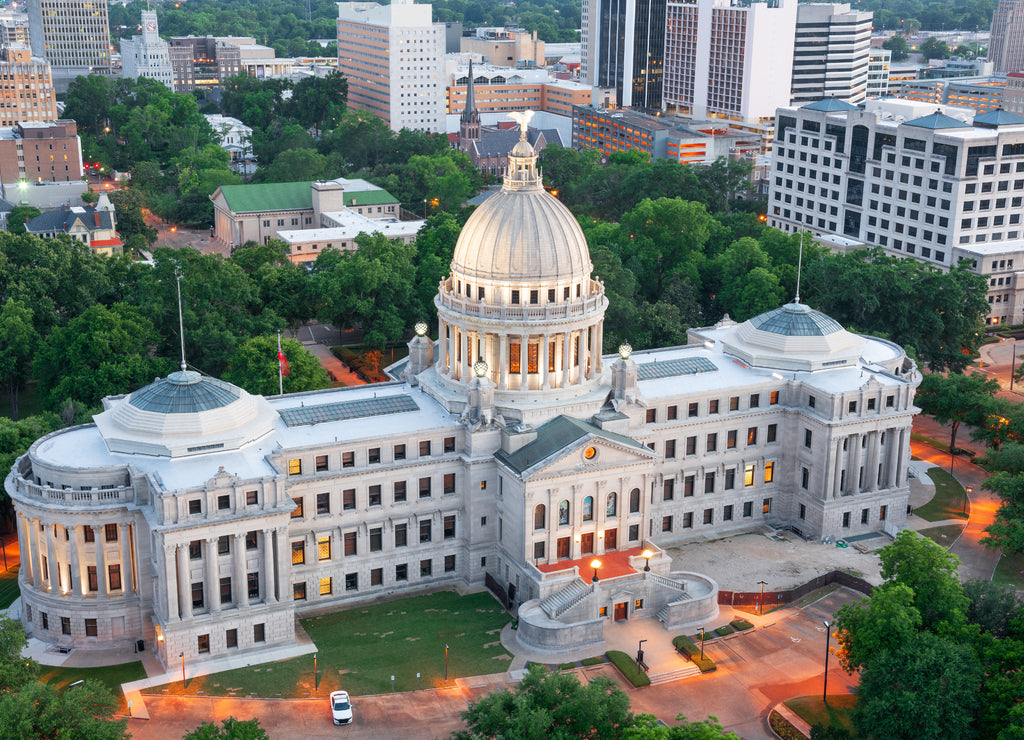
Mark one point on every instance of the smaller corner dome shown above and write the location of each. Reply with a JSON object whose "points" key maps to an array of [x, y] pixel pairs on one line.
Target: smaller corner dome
{"points": [[830, 105], [185, 413], [523, 148], [793, 337]]}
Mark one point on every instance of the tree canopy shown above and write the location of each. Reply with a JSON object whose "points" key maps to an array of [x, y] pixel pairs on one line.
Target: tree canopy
{"points": [[254, 367]]}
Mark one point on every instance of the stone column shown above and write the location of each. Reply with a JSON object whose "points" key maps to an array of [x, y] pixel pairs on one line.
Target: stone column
{"points": [[545, 363], [837, 475], [283, 564], [25, 548], [524, 358], [76, 566], [598, 338], [184, 581], [442, 345], [450, 349], [52, 570], [502, 361], [871, 469], [566, 360], [581, 356], [891, 450], [101, 563], [212, 575], [35, 553], [241, 581], [127, 583], [856, 456], [268, 567], [901, 465], [464, 365]]}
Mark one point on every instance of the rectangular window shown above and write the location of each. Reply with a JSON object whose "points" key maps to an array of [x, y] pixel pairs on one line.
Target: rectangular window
{"points": [[672, 413], [691, 445], [803, 511], [426, 568], [252, 582], [634, 532], [691, 410], [295, 467], [773, 399], [449, 563], [772, 431], [195, 549], [114, 576], [401, 535], [449, 483], [666, 524], [299, 591], [730, 440], [709, 482], [231, 638], [769, 472], [376, 576], [864, 516], [425, 530], [297, 511], [298, 552], [730, 479], [425, 448], [688, 520], [670, 449], [846, 519], [709, 516], [376, 539], [711, 443], [90, 534], [424, 487], [348, 499], [224, 544], [751, 436], [449, 445], [811, 401], [748, 475], [734, 403], [259, 632], [399, 452], [668, 490], [399, 491], [373, 495], [195, 506], [748, 508], [323, 548], [538, 550], [321, 463], [351, 581], [65, 625], [373, 455], [766, 506], [712, 407], [348, 459], [652, 415], [449, 527], [94, 583], [853, 407], [755, 400], [805, 477], [882, 513], [323, 503], [203, 643], [727, 513], [402, 572], [198, 592], [225, 590], [252, 498], [808, 436]]}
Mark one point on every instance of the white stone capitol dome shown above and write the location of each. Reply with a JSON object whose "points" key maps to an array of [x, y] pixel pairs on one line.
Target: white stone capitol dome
{"points": [[522, 234]]}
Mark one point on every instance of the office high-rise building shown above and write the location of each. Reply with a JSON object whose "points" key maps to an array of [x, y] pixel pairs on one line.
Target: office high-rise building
{"points": [[147, 55], [878, 72], [722, 58], [26, 93], [393, 58], [73, 36], [624, 48], [1006, 48], [831, 53]]}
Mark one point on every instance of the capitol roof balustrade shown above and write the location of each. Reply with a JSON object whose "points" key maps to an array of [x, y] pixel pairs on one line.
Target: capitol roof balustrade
{"points": [[74, 496], [562, 310]]}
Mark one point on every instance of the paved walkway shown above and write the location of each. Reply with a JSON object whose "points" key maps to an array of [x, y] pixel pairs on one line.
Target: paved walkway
{"points": [[332, 364]]}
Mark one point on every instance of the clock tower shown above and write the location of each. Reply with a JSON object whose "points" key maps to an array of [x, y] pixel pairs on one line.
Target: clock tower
{"points": [[150, 30]]}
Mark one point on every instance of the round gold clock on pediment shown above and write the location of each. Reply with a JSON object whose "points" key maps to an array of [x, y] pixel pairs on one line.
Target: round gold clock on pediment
{"points": [[590, 453]]}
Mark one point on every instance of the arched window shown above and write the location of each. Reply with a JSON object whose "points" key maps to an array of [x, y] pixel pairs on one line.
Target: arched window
{"points": [[540, 517], [634, 501], [563, 512], [612, 504], [588, 509]]}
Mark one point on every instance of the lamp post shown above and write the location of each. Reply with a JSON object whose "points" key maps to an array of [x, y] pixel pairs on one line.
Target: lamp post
{"points": [[701, 644], [316, 678], [967, 497], [424, 209], [640, 652], [828, 636], [595, 564], [761, 608], [647, 555], [183, 667], [446, 662], [3, 546]]}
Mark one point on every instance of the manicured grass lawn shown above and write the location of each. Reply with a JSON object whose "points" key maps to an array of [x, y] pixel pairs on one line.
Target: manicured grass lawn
{"points": [[9, 590], [1010, 572], [814, 711], [948, 501], [110, 676], [361, 648], [945, 535]]}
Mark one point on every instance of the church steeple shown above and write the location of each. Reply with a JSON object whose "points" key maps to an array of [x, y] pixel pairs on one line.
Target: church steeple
{"points": [[469, 125]]}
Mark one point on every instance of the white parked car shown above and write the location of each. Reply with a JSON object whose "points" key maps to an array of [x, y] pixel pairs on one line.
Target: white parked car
{"points": [[341, 708]]}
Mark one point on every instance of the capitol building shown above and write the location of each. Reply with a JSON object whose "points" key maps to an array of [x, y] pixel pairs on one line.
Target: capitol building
{"points": [[509, 453]]}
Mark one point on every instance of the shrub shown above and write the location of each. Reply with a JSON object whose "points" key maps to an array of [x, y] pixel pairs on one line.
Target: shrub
{"points": [[566, 666], [724, 630], [741, 624], [685, 646], [596, 660], [628, 668], [783, 728]]}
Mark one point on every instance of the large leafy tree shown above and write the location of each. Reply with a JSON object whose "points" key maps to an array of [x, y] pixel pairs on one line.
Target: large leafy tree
{"points": [[882, 622], [19, 338], [930, 571], [254, 367], [228, 729], [955, 398]]}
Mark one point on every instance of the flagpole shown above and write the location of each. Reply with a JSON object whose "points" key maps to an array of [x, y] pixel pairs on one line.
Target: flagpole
{"points": [[280, 370]]}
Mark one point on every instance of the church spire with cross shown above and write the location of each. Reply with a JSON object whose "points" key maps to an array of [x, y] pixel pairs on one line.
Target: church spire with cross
{"points": [[469, 124]]}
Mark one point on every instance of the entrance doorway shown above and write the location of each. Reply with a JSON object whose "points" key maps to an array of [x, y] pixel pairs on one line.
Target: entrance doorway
{"points": [[587, 543], [610, 542], [563, 548], [622, 611]]}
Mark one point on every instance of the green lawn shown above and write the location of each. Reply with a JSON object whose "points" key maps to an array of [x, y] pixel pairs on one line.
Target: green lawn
{"points": [[1010, 572], [110, 676], [948, 501], [814, 711], [9, 590], [361, 648], [945, 535]]}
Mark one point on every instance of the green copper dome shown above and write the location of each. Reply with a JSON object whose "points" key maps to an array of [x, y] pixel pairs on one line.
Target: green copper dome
{"points": [[184, 392]]}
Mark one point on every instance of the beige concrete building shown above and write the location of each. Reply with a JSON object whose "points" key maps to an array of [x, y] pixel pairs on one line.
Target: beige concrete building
{"points": [[509, 453], [504, 47], [26, 88], [72, 35]]}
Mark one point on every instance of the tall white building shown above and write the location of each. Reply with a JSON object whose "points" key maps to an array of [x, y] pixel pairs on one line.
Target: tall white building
{"points": [[72, 35], [1006, 47], [898, 174], [393, 58], [830, 53], [147, 55], [509, 453], [878, 73], [729, 60], [623, 49]]}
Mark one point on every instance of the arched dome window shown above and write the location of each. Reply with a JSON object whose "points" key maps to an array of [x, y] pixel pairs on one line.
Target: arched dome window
{"points": [[540, 516], [588, 509], [612, 505], [563, 512]]}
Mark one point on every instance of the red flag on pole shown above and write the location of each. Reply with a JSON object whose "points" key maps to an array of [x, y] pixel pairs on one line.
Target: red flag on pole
{"points": [[283, 362]]}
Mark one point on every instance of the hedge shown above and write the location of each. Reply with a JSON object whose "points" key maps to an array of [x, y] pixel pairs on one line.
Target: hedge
{"points": [[685, 646], [741, 624], [596, 660], [724, 630], [782, 727], [628, 668]]}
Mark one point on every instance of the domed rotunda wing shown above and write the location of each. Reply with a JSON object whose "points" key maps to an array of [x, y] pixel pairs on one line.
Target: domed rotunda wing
{"points": [[793, 337], [185, 413]]}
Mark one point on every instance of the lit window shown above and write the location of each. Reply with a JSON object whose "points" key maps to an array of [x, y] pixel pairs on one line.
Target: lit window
{"points": [[748, 475], [769, 472]]}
